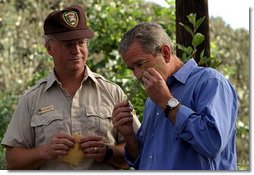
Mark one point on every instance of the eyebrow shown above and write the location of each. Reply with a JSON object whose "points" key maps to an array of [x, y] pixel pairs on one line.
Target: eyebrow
{"points": [[128, 67], [142, 61]]}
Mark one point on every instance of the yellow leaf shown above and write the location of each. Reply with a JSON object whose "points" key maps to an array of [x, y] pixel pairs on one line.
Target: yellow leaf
{"points": [[75, 155]]}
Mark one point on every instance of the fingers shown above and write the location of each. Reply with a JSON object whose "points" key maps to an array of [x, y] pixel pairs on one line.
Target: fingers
{"points": [[59, 150], [144, 80], [149, 75], [123, 107], [120, 105], [91, 140], [93, 147], [97, 153], [59, 145], [63, 139], [122, 113], [122, 119], [151, 72]]}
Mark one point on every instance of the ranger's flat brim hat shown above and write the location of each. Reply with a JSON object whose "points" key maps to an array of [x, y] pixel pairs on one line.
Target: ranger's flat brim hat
{"points": [[67, 24]]}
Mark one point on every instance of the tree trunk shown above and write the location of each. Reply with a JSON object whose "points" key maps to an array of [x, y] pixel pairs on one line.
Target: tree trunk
{"points": [[183, 9]]}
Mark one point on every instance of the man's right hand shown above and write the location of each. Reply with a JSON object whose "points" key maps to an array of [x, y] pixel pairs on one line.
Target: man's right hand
{"points": [[122, 119], [60, 144], [32, 158]]}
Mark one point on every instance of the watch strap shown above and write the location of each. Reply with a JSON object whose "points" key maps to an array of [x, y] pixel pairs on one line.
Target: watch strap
{"points": [[170, 108], [109, 153], [167, 109]]}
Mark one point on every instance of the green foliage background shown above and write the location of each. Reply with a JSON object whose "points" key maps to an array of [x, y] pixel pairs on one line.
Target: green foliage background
{"points": [[23, 58]]}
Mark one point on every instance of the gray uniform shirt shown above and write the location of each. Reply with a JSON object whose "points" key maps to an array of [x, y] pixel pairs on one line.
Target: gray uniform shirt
{"points": [[47, 109]]}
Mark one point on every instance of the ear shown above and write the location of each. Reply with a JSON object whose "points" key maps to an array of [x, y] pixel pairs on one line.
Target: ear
{"points": [[166, 52], [48, 46]]}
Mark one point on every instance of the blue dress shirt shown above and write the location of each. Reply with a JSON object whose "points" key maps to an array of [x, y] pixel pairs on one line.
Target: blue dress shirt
{"points": [[204, 135]]}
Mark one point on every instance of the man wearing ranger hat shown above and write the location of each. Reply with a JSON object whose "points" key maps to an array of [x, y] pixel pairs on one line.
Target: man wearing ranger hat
{"points": [[64, 121]]}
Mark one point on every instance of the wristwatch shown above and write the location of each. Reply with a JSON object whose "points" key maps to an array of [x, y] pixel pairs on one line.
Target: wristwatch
{"points": [[109, 153], [172, 103]]}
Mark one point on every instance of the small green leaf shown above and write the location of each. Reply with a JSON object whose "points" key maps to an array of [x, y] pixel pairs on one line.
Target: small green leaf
{"points": [[189, 50], [181, 47], [197, 39], [187, 28], [192, 18], [198, 23], [202, 54], [184, 57]]}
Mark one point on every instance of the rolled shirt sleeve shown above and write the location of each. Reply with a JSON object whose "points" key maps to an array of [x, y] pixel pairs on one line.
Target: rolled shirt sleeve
{"points": [[208, 127]]}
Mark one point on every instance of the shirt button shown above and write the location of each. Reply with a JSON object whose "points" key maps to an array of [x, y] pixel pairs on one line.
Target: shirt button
{"points": [[157, 113], [150, 156]]}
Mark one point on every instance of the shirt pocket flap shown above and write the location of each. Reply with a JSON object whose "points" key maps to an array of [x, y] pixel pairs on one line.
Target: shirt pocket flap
{"points": [[45, 118], [102, 111]]}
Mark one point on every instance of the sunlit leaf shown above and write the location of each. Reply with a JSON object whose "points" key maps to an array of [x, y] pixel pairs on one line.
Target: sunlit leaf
{"points": [[197, 39]]}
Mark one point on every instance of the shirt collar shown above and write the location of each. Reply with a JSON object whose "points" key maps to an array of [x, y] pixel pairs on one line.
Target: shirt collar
{"points": [[89, 73], [52, 78], [184, 72]]}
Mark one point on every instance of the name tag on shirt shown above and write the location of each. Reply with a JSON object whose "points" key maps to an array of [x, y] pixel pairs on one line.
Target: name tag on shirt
{"points": [[46, 109]]}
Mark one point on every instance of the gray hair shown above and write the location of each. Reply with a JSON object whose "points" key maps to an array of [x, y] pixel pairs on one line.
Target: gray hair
{"points": [[48, 38], [150, 35]]}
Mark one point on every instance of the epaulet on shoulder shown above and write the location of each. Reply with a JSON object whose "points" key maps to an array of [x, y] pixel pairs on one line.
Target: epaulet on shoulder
{"points": [[98, 76], [38, 84]]}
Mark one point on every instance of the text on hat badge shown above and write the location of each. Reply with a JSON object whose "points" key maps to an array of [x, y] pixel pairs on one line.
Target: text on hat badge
{"points": [[71, 18]]}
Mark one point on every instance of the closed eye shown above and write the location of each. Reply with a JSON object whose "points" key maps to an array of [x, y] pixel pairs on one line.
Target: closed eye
{"points": [[140, 65]]}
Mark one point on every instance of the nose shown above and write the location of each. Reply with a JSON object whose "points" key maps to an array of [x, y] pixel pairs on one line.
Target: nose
{"points": [[76, 48], [138, 73]]}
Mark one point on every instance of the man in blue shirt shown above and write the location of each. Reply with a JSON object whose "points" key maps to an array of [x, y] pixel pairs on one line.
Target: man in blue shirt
{"points": [[189, 120]]}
